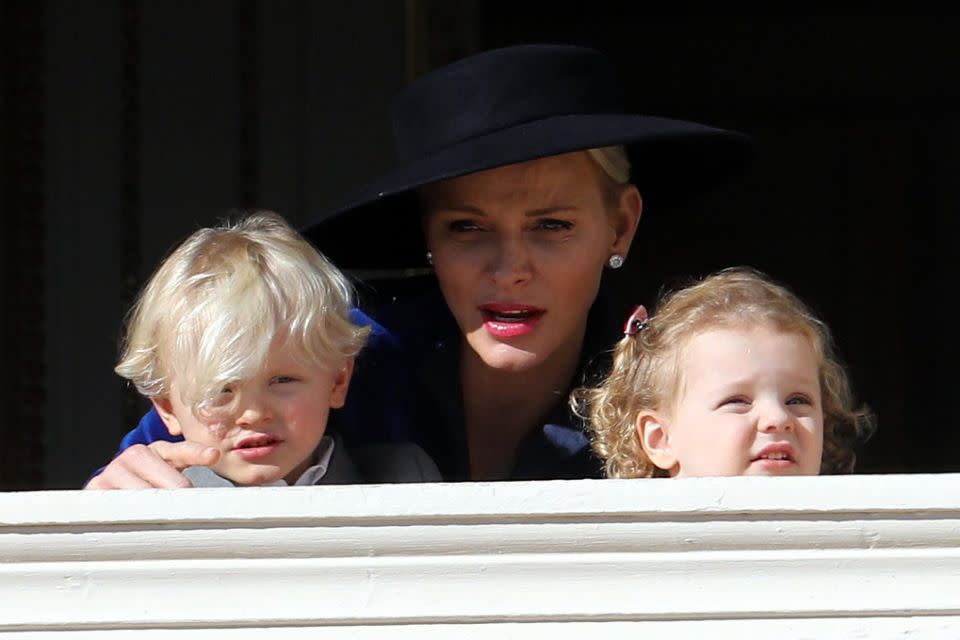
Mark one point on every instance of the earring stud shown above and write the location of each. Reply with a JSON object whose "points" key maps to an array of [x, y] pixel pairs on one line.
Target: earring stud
{"points": [[430, 258], [615, 261]]}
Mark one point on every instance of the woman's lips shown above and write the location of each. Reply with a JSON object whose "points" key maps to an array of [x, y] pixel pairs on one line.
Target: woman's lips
{"points": [[510, 320], [256, 447]]}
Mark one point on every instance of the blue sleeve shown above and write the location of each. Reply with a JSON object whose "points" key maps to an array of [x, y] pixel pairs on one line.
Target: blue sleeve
{"points": [[379, 336], [150, 429], [374, 411]]}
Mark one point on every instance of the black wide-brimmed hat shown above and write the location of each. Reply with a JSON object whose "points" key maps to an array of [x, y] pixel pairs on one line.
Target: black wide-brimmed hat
{"points": [[510, 105]]}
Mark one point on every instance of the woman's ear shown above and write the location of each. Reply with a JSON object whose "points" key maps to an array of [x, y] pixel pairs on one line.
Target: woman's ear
{"points": [[651, 429], [341, 382], [165, 410], [629, 209]]}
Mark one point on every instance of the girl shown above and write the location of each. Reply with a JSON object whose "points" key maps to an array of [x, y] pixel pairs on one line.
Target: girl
{"points": [[733, 376]]}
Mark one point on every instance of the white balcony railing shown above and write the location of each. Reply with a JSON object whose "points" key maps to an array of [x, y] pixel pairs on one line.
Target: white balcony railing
{"points": [[827, 557]]}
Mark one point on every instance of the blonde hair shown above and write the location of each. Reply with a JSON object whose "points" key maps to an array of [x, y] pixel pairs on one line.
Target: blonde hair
{"points": [[211, 311], [646, 371], [614, 162], [614, 171]]}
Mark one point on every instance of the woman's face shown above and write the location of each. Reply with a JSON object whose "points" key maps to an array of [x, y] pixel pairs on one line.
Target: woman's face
{"points": [[519, 251]]}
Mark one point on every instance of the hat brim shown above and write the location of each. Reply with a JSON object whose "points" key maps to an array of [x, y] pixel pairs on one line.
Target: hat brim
{"points": [[671, 161]]}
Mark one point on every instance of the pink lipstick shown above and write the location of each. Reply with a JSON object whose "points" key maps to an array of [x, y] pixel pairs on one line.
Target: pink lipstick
{"points": [[508, 320]]}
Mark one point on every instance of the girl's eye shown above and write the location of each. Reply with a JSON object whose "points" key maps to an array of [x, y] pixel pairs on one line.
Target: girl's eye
{"points": [[282, 379], [552, 224], [735, 400], [799, 399]]}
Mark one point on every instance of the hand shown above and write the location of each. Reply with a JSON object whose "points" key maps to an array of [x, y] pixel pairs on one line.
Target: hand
{"points": [[156, 465]]}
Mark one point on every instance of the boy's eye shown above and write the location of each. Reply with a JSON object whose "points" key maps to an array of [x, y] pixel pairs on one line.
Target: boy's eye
{"points": [[225, 397]]}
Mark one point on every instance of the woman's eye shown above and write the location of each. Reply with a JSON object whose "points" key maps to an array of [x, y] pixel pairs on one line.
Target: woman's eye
{"points": [[462, 226], [551, 224]]}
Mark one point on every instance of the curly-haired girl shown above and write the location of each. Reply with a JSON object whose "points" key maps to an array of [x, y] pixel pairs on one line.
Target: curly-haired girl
{"points": [[734, 375]]}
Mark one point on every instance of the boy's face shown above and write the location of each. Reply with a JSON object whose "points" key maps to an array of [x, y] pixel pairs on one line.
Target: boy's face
{"points": [[279, 421], [749, 404]]}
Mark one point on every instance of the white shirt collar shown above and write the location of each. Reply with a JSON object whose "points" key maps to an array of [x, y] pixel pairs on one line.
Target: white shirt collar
{"points": [[314, 473]]}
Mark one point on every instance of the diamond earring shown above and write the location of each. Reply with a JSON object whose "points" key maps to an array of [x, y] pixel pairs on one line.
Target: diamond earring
{"points": [[615, 261]]}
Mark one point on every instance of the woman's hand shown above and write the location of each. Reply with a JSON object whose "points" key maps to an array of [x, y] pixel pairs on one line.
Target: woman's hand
{"points": [[156, 465]]}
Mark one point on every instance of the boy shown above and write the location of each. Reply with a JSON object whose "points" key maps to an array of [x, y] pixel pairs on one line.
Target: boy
{"points": [[243, 342]]}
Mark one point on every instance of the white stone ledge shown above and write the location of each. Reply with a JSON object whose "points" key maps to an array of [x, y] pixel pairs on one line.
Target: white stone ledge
{"points": [[827, 557]]}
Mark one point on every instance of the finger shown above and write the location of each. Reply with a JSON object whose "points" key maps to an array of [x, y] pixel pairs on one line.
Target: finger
{"points": [[137, 467], [146, 464], [180, 455], [117, 477]]}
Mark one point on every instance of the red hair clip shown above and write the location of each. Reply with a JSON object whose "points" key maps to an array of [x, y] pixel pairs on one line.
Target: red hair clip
{"points": [[636, 322]]}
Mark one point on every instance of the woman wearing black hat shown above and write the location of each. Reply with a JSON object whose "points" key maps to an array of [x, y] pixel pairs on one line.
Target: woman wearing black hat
{"points": [[520, 179]]}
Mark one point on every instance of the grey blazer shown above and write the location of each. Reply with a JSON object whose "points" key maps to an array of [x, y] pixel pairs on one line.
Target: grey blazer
{"points": [[372, 464]]}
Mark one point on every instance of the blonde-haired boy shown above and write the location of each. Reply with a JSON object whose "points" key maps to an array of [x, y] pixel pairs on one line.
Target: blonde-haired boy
{"points": [[243, 342]]}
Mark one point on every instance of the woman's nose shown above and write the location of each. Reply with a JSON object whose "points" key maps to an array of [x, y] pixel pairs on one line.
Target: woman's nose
{"points": [[510, 262]]}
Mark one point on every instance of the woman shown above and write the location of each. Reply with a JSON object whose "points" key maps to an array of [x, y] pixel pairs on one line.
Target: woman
{"points": [[514, 182]]}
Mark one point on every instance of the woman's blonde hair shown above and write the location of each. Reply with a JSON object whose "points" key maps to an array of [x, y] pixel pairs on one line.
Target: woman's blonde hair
{"points": [[646, 368], [614, 162], [211, 311], [614, 168]]}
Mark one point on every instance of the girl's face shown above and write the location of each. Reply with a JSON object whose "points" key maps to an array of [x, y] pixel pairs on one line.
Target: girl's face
{"points": [[519, 251], [749, 403]]}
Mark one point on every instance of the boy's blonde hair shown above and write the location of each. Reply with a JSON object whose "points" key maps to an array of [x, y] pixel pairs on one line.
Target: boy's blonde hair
{"points": [[215, 305], [646, 368]]}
